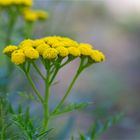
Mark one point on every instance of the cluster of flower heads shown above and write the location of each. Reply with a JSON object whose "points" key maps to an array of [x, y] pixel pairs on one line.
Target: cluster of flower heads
{"points": [[34, 15], [26, 11], [7, 3], [51, 48]]}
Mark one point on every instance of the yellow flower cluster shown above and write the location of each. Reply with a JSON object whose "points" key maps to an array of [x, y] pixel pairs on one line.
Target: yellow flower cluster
{"points": [[51, 48], [34, 15], [26, 11], [16, 2]]}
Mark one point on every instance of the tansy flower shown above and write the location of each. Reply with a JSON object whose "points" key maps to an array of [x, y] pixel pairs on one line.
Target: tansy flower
{"points": [[63, 52], [74, 51], [42, 47], [31, 53], [9, 49], [34, 15], [50, 53], [85, 49], [18, 57], [27, 3], [97, 56], [38, 42], [54, 47], [30, 15], [26, 43], [42, 15]]}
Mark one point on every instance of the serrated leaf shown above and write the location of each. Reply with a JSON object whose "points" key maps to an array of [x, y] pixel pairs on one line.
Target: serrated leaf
{"points": [[70, 108]]}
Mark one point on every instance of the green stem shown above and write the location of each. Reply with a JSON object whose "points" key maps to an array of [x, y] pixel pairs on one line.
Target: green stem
{"points": [[2, 120], [54, 75], [68, 61], [28, 29], [39, 72], [34, 87], [46, 102], [10, 28], [69, 88]]}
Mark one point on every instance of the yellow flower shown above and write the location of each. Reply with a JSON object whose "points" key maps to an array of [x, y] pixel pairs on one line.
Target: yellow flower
{"points": [[38, 42], [56, 44], [42, 47], [50, 53], [31, 53], [27, 2], [97, 56], [34, 15], [85, 49], [69, 42], [57, 41], [62, 51], [42, 15], [26, 43], [16, 2], [9, 49], [74, 51], [18, 57], [30, 15]]}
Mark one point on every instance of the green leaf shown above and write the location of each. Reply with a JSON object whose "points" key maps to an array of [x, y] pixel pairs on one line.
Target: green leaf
{"points": [[27, 115], [44, 134], [82, 137], [100, 127], [27, 96], [93, 132], [70, 108], [19, 109], [10, 109]]}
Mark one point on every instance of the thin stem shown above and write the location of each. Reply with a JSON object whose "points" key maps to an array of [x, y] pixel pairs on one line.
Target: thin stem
{"points": [[69, 60], [2, 119], [69, 88], [38, 70], [46, 102], [28, 29], [34, 87], [12, 22], [54, 75]]}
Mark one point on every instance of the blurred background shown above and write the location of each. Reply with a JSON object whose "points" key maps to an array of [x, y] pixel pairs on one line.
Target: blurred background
{"points": [[112, 26]]}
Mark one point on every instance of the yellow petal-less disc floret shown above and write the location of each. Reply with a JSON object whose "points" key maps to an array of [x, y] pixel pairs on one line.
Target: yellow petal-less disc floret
{"points": [[97, 56], [9, 49], [63, 52], [34, 15], [42, 15], [50, 53], [85, 49], [31, 53], [38, 42], [74, 51], [30, 15], [26, 43], [26, 3], [42, 47], [18, 57]]}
